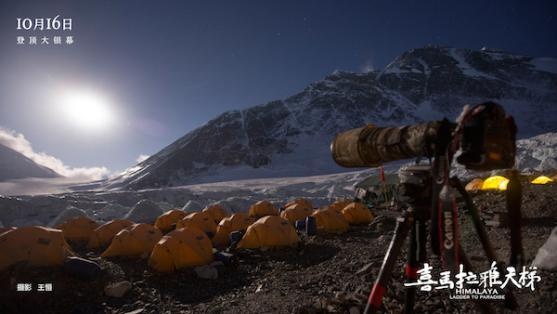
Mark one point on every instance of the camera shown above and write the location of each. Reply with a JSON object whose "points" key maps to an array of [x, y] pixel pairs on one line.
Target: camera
{"points": [[484, 135]]}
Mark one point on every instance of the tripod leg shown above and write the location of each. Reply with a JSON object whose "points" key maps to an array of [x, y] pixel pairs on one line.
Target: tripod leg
{"points": [[379, 287], [510, 300], [482, 304], [411, 269], [478, 225]]}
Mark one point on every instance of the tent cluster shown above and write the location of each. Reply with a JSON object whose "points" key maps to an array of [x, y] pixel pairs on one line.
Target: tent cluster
{"points": [[499, 183], [174, 239]]}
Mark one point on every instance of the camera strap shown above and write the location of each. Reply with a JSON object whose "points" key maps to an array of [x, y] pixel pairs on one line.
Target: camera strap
{"points": [[449, 233]]}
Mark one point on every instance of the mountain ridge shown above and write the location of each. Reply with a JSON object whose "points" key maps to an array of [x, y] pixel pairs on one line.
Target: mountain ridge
{"points": [[292, 135]]}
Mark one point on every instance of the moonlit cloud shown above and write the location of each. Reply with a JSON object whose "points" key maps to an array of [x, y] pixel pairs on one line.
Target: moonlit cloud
{"points": [[19, 143], [141, 158], [367, 67]]}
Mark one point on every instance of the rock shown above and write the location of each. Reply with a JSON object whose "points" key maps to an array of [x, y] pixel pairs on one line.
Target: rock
{"points": [[206, 272], [366, 268], [224, 258], [192, 206], [135, 311], [145, 211], [67, 214], [546, 258], [354, 310], [118, 289], [81, 267]]}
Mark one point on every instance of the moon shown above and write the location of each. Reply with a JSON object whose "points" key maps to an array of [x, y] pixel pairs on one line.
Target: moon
{"points": [[87, 110]]}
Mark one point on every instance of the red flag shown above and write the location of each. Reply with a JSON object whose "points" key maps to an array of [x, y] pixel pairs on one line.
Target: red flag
{"points": [[381, 174]]}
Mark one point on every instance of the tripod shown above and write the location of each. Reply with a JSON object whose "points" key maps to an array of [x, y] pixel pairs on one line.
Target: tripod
{"points": [[416, 188]]}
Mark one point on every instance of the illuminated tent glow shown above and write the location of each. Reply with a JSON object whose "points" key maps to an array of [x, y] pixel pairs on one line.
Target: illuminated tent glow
{"points": [[542, 180], [495, 183]]}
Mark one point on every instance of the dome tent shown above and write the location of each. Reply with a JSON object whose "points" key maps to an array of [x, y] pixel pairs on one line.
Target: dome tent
{"points": [[104, 234], [78, 230], [136, 241], [357, 213], [262, 209], [296, 211], [269, 231], [301, 201], [37, 246], [65, 215], [495, 183], [542, 180], [145, 211], [182, 248], [167, 221], [339, 204], [330, 220], [474, 185], [192, 206], [216, 211], [236, 222], [200, 220]]}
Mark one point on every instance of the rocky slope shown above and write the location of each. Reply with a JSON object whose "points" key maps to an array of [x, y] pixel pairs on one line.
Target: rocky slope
{"points": [[14, 165], [291, 136]]}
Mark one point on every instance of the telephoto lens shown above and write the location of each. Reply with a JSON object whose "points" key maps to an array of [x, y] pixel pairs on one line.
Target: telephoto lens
{"points": [[372, 146]]}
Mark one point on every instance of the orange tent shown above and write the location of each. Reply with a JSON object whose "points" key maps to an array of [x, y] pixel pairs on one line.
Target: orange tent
{"points": [[330, 220], [236, 222], [182, 248], [296, 211], [200, 220], [357, 213], [269, 231], [262, 209], [167, 221], [78, 230], [301, 201], [37, 246], [339, 204], [136, 241], [216, 211], [104, 234], [5, 229]]}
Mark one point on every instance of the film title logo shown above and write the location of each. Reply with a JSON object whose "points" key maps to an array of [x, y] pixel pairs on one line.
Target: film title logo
{"points": [[468, 285], [34, 31]]}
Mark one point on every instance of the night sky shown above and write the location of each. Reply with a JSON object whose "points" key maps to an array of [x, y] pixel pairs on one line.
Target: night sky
{"points": [[169, 66]]}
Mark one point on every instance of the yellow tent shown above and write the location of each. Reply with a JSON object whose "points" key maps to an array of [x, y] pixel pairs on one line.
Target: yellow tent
{"points": [[262, 209], [474, 185], [136, 241], [269, 231], [200, 220], [168, 220], [296, 211], [356, 213], [216, 211], [104, 234], [301, 201], [339, 204], [236, 222], [495, 183], [330, 220], [37, 246], [182, 248], [78, 230], [542, 180]]}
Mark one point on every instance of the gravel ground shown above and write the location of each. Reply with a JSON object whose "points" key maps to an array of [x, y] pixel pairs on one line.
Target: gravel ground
{"points": [[327, 273]]}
